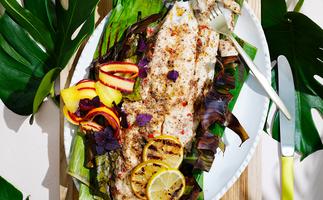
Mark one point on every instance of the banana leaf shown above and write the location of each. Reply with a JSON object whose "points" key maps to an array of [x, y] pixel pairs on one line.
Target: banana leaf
{"points": [[36, 42], [124, 14], [301, 40], [85, 193], [76, 160], [92, 182]]}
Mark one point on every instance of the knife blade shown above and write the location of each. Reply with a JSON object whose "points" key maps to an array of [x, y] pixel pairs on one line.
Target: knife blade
{"points": [[286, 91], [287, 94]]}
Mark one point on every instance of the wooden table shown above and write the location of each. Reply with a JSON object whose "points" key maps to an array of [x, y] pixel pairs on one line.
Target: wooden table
{"points": [[247, 187]]}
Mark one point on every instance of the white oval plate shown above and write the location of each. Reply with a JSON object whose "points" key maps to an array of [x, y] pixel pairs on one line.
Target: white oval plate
{"points": [[250, 109]]}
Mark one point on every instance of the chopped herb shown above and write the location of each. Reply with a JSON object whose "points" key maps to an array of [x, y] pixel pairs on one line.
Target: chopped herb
{"points": [[143, 72], [142, 46], [143, 119], [172, 75], [143, 62]]}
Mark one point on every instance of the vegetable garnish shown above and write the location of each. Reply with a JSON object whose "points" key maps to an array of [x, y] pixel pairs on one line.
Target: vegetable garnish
{"points": [[122, 114], [143, 69], [143, 72], [105, 141], [143, 119], [85, 84], [207, 146], [142, 46], [120, 67], [218, 99], [82, 90], [90, 127], [192, 189], [108, 114], [71, 117], [108, 95], [116, 82], [172, 75], [118, 75], [87, 104], [143, 62], [86, 89], [216, 112]]}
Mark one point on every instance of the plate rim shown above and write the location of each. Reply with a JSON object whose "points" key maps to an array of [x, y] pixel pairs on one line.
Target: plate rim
{"points": [[254, 145], [233, 179]]}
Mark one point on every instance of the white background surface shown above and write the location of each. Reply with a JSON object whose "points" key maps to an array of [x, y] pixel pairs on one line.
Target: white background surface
{"points": [[309, 172], [29, 155]]}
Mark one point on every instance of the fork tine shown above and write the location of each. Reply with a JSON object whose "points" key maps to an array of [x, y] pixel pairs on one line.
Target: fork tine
{"points": [[217, 9], [213, 13]]}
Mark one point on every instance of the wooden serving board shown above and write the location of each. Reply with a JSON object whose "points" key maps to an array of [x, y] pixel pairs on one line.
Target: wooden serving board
{"points": [[247, 187]]}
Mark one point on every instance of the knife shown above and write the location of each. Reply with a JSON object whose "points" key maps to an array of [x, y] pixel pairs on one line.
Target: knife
{"points": [[286, 91]]}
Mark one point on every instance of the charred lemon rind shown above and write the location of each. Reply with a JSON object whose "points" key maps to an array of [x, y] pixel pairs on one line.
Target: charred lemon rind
{"points": [[142, 173], [166, 184], [164, 148]]}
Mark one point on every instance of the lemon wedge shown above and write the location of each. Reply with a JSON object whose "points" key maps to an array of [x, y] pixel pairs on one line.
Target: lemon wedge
{"points": [[166, 184]]}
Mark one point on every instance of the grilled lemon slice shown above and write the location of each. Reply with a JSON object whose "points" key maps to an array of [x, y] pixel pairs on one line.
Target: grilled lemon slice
{"points": [[166, 184], [165, 148], [141, 174]]}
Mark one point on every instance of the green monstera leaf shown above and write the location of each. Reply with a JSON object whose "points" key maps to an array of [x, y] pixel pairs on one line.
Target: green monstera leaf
{"points": [[35, 27], [301, 40], [36, 42], [8, 191], [22, 66]]}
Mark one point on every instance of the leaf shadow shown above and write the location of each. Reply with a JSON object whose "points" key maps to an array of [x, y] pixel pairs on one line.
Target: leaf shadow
{"points": [[254, 85], [13, 121], [48, 119], [317, 191]]}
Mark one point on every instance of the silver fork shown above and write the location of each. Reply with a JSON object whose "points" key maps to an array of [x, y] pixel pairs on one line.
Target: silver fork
{"points": [[218, 23]]}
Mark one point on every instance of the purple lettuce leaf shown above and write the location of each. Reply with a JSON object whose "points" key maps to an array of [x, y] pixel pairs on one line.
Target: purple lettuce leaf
{"points": [[105, 141]]}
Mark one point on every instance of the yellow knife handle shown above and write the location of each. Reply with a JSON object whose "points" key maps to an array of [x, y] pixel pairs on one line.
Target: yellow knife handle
{"points": [[287, 178]]}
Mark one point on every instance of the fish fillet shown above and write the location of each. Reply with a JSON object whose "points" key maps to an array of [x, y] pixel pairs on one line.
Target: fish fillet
{"points": [[186, 45]]}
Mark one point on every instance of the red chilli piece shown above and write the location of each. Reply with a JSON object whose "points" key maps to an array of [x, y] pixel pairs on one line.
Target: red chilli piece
{"points": [[184, 103]]}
